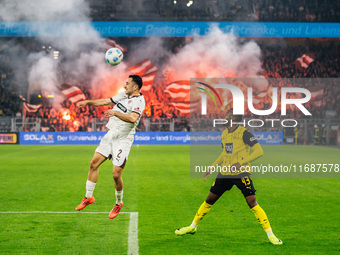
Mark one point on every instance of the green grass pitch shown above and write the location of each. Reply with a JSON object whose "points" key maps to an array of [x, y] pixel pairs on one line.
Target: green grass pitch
{"points": [[304, 213]]}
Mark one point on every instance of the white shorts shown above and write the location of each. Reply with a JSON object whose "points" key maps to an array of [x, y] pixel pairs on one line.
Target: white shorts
{"points": [[116, 145]]}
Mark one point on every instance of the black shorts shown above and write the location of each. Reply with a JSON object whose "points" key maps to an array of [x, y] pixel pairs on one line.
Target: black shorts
{"points": [[222, 184]]}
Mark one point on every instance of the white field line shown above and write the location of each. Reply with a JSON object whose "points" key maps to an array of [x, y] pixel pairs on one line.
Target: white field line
{"points": [[37, 212], [133, 248]]}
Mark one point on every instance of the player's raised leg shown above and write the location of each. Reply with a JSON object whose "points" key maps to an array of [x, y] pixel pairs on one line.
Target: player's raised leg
{"points": [[263, 219], [117, 177], [92, 178], [202, 211]]}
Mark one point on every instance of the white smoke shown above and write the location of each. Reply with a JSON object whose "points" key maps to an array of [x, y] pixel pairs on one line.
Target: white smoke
{"points": [[74, 31], [217, 55], [44, 10], [43, 72], [82, 47], [105, 78], [79, 44], [152, 48]]}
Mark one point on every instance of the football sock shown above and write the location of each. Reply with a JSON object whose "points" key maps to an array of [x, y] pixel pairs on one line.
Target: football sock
{"points": [[262, 218], [202, 211], [89, 188], [119, 197]]}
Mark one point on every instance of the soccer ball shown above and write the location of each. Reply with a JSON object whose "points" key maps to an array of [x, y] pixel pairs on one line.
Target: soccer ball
{"points": [[114, 56]]}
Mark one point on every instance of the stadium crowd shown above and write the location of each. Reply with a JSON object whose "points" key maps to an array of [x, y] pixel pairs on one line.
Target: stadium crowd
{"points": [[279, 61], [211, 10], [216, 10]]}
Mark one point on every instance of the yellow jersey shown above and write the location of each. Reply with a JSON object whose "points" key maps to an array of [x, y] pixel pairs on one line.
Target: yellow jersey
{"points": [[236, 146]]}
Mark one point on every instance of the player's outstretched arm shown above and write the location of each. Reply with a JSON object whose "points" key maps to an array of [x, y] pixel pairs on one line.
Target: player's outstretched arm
{"points": [[133, 117], [95, 102]]}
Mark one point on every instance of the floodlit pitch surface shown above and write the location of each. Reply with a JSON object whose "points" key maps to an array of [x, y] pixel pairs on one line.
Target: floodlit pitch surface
{"points": [[46, 183]]}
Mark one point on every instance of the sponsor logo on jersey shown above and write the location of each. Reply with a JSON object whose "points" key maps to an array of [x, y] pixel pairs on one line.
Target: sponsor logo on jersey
{"points": [[229, 148], [122, 107]]}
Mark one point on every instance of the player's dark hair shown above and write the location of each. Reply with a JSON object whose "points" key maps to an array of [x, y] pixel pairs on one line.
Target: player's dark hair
{"points": [[137, 80], [238, 117]]}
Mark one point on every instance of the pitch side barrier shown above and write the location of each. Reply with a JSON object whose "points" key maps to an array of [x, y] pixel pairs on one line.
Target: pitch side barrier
{"points": [[141, 138], [94, 138], [211, 138], [169, 29]]}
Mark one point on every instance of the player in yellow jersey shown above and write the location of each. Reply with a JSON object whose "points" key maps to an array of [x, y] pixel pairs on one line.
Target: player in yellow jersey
{"points": [[234, 161]]}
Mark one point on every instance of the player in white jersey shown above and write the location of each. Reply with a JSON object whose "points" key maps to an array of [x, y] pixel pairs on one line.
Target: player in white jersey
{"points": [[124, 118]]}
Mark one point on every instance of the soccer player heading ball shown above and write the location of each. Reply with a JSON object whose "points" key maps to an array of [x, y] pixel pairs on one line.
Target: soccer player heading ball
{"points": [[236, 142], [124, 118]]}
